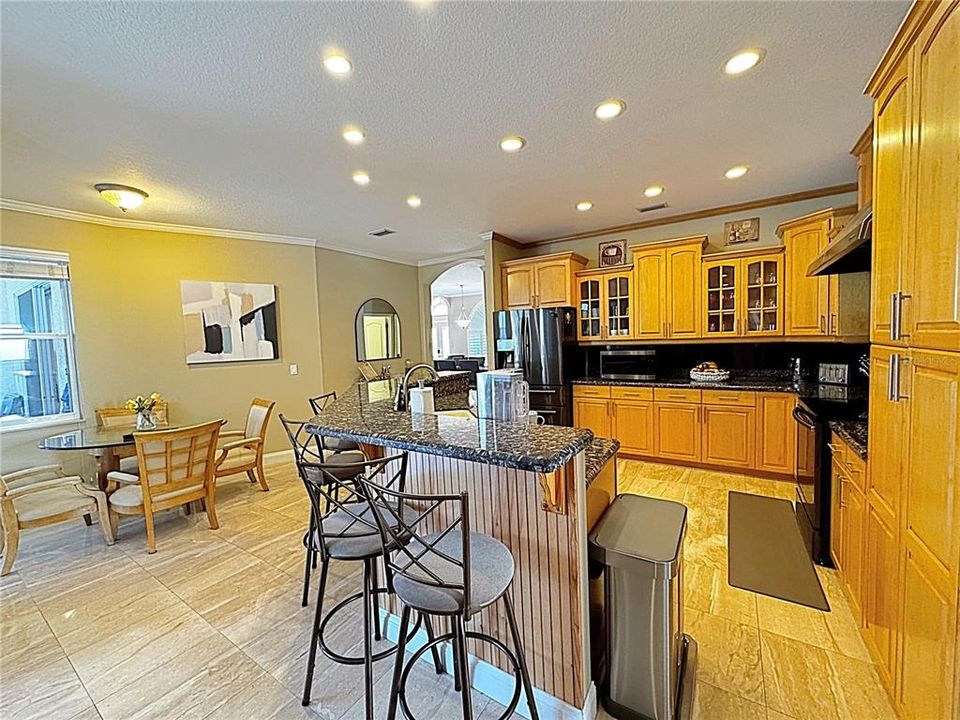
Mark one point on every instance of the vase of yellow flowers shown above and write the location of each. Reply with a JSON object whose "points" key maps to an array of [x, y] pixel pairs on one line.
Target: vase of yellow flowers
{"points": [[143, 407]]}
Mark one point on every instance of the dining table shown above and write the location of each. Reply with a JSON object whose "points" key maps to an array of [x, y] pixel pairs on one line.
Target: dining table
{"points": [[108, 444]]}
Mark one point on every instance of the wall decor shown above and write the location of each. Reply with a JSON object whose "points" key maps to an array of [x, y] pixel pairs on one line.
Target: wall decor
{"points": [[741, 231], [229, 322], [613, 253]]}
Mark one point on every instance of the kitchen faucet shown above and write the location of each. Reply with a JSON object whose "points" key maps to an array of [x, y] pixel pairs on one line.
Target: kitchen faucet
{"points": [[400, 401]]}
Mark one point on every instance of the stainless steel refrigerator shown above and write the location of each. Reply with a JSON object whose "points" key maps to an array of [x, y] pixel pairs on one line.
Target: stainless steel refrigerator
{"points": [[542, 343]]}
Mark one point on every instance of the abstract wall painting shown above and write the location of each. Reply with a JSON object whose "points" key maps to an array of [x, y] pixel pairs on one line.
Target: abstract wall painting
{"points": [[229, 322]]}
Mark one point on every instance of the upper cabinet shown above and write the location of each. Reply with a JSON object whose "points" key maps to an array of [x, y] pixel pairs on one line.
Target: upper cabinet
{"points": [[743, 293], [604, 304], [916, 243], [650, 294], [544, 281], [667, 277]]}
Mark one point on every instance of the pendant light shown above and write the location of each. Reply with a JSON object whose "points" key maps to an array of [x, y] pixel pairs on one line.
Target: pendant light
{"points": [[463, 321]]}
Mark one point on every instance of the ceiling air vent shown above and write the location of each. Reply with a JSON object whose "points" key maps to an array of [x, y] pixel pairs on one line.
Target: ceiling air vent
{"points": [[651, 208], [382, 232]]}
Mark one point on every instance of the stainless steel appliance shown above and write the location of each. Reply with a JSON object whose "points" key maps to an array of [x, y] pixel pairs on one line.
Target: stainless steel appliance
{"points": [[503, 395], [646, 663], [816, 406], [628, 364], [542, 343]]}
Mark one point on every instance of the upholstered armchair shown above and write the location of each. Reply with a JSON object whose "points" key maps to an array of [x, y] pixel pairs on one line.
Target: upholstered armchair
{"points": [[176, 468], [43, 496], [242, 450]]}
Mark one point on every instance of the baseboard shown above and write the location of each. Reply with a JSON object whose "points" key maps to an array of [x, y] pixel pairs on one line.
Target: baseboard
{"points": [[494, 682], [278, 457]]}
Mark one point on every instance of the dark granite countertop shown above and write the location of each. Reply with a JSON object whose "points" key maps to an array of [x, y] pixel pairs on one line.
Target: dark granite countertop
{"points": [[598, 454], [365, 413], [853, 433]]}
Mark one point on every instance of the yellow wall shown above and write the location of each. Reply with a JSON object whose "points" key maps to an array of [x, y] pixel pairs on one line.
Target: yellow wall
{"points": [[126, 297]]}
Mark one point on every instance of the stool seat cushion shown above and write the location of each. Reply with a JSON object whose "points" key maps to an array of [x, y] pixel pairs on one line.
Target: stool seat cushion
{"points": [[358, 541], [333, 460], [339, 444], [491, 572]]}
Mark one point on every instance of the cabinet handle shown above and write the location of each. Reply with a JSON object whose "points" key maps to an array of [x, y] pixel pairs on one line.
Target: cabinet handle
{"points": [[832, 326], [893, 316], [820, 325], [891, 395], [901, 296]]}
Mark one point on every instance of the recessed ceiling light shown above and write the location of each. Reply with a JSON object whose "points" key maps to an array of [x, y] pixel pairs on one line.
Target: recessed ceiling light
{"points": [[337, 63], [353, 135], [737, 171], [743, 61], [584, 205], [512, 143], [609, 109], [653, 190], [361, 178], [414, 201], [121, 196]]}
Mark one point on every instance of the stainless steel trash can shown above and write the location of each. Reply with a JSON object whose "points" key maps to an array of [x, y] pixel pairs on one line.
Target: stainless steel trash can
{"points": [[647, 663]]}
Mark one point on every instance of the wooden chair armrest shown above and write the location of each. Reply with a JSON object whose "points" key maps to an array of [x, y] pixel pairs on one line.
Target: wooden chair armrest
{"points": [[225, 449], [231, 433], [36, 487], [19, 476], [122, 478]]}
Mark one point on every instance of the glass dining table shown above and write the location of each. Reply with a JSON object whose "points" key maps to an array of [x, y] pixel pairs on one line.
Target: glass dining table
{"points": [[107, 444]]}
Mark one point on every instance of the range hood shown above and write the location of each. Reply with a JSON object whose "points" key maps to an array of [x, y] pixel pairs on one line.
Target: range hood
{"points": [[849, 252]]}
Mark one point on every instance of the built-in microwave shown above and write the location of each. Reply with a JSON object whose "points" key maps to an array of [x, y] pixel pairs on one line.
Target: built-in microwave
{"points": [[628, 364]]}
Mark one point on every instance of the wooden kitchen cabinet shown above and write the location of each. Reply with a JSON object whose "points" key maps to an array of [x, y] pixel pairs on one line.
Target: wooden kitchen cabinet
{"points": [[777, 432], [848, 520], [543, 281], [667, 277], [633, 425], [594, 415], [677, 431], [649, 302], [728, 435], [604, 304], [881, 588], [743, 293], [683, 289]]}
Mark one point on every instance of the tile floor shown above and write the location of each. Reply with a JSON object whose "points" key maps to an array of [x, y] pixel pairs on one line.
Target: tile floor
{"points": [[211, 625]]}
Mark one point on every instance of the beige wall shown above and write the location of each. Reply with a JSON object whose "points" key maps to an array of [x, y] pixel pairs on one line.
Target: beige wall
{"points": [[344, 282], [126, 296], [712, 227]]}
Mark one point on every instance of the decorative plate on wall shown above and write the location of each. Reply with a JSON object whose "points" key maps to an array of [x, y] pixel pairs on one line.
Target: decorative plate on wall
{"points": [[613, 253], [741, 231]]}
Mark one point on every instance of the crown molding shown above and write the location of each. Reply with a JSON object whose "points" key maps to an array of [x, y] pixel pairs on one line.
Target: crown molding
{"points": [[125, 222], [475, 254]]}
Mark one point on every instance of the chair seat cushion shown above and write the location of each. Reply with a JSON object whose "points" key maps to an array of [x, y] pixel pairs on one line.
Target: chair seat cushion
{"points": [[491, 572], [46, 503], [339, 444], [131, 496], [130, 465], [358, 540], [237, 459]]}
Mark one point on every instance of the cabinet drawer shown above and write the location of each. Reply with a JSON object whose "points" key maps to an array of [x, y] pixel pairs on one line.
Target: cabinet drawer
{"points": [[676, 395], [591, 391], [743, 398], [631, 393]]}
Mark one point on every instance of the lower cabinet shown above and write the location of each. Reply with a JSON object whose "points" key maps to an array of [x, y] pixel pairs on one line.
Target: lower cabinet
{"points": [[729, 436], [881, 586], [848, 519], [677, 431], [594, 415], [776, 432], [633, 425]]}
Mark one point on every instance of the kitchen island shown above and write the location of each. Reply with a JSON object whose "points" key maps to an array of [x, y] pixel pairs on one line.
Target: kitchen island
{"points": [[536, 488]]}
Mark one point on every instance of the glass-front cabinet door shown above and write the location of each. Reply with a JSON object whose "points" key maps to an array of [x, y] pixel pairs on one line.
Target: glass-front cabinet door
{"points": [[590, 304], [720, 281], [618, 306], [763, 311]]}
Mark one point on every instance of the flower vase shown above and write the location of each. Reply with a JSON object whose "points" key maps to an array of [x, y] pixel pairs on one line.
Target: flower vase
{"points": [[146, 421]]}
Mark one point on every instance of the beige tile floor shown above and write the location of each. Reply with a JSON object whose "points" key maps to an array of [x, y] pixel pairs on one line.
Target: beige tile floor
{"points": [[211, 625]]}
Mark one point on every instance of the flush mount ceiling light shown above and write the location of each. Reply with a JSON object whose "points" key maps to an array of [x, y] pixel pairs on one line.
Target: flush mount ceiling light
{"points": [[361, 178], [512, 143], [609, 109], [584, 205], [353, 135], [737, 171], [337, 64], [414, 201], [743, 61], [653, 191], [121, 196]]}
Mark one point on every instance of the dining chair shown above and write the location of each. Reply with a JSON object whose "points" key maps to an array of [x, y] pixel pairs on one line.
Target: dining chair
{"points": [[242, 450], [121, 417], [176, 468], [43, 496]]}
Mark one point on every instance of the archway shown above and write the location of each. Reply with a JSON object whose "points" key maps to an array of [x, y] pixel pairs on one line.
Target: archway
{"points": [[458, 312]]}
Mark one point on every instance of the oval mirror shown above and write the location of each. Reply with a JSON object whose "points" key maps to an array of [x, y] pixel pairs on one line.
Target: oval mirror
{"points": [[378, 331]]}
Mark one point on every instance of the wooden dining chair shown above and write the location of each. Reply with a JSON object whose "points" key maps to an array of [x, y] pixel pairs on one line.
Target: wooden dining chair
{"points": [[121, 417], [43, 496], [242, 450], [176, 468]]}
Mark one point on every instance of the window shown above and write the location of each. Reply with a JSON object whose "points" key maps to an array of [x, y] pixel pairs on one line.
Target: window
{"points": [[477, 332], [439, 311], [38, 372]]}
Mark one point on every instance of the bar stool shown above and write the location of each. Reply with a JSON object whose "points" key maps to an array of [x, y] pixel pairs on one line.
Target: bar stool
{"points": [[318, 404], [449, 572], [343, 527]]}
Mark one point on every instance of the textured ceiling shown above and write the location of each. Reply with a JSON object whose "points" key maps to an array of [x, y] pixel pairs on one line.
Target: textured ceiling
{"points": [[225, 115]]}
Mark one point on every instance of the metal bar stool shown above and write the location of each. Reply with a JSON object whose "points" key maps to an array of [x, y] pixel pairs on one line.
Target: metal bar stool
{"points": [[343, 527], [449, 572], [318, 404]]}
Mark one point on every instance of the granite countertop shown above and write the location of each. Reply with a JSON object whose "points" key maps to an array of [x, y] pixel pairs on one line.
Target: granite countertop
{"points": [[598, 454], [365, 413], [853, 433]]}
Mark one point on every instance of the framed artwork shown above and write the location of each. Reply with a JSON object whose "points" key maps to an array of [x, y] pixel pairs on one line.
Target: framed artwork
{"points": [[229, 322], [741, 231], [613, 253]]}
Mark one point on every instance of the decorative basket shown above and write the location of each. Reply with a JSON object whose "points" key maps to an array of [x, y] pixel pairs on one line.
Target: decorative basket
{"points": [[710, 377]]}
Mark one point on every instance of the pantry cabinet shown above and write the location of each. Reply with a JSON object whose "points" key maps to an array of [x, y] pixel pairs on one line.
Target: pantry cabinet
{"points": [[543, 281], [743, 294], [604, 304]]}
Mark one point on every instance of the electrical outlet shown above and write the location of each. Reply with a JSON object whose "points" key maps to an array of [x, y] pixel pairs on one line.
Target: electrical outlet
{"points": [[294, 369]]}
